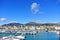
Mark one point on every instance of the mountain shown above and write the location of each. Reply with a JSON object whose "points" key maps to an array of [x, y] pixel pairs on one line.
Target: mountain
{"points": [[32, 24], [49, 24], [12, 24]]}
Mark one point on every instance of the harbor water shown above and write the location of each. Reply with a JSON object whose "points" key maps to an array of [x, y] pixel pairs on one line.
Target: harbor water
{"points": [[38, 36], [43, 36]]}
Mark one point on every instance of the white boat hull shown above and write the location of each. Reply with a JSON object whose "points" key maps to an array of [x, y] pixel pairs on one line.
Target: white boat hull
{"points": [[14, 38]]}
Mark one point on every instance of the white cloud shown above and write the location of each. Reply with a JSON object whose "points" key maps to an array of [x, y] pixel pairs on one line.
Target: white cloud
{"points": [[37, 21], [12, 21], [3, 19], [35, 8], [6, 20]]}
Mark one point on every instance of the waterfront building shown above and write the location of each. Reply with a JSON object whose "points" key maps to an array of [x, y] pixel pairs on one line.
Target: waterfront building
{"points": [[32, 28], [38, 28], [57, 28]]}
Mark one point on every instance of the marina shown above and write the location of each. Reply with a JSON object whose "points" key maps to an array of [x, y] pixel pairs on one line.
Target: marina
{"points": [[42, 35], [30, 33], [29, 19]]}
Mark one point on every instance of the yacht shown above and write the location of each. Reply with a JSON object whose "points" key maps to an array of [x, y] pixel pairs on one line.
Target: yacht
{"points": [[14, 38]]}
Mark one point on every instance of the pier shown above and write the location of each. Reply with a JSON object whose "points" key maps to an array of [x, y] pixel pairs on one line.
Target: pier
{"points": [[27, 32]]}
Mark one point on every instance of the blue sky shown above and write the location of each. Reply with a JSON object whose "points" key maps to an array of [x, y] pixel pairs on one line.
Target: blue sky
{"points": [[20, 11]]}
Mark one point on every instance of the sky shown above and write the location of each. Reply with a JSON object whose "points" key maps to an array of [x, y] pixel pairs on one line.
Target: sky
{"points": [[23, 11]]}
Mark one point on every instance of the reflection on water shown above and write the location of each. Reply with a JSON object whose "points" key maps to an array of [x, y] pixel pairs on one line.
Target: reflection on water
{"points": [[59, 37], [38, 36], [43, 36]]}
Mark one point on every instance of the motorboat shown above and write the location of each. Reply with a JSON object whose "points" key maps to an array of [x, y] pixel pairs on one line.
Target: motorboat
{"points": [[14, 38]]}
